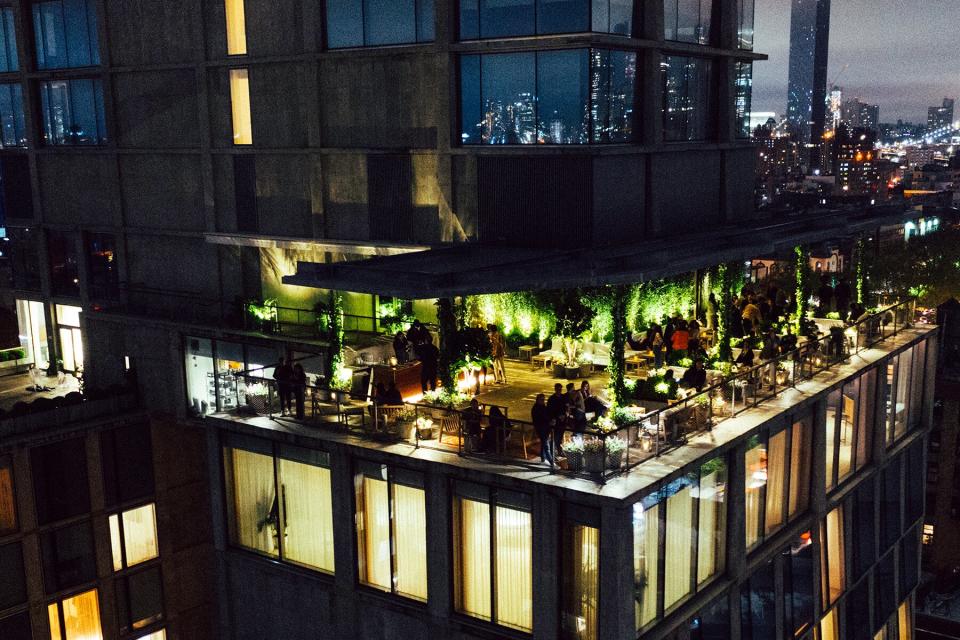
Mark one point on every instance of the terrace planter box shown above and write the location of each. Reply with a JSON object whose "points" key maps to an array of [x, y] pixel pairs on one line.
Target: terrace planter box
{"points": [[593, 461], [574, 462], [258, 403]]}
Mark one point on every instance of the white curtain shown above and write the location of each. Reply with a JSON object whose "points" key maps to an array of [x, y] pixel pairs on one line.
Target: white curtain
{"points": [[514, 567], [140, 534], [776, 481], [646, 525], [799, 468], [679, 544], [711, 542], [308, 514], [81, 617], [581, 587], [410, 540], [373, 532], [254, 497], [756, 479], [831, 445], [472, 550], [835, 553]]}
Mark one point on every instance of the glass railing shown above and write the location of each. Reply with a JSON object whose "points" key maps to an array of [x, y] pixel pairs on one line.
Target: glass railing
{"points": [[596, 448]]}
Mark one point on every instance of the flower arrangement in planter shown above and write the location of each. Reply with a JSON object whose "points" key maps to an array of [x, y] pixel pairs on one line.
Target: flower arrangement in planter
{"points": [[445, 399], [573, 451], [594, 456], [405, 421], [424, 428], [615, 447]]}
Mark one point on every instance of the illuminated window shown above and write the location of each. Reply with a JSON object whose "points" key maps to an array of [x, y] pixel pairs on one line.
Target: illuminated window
{"points": [[252, 500], [236, 27], [646, 555], [73, 112], [75, 618], [391, 513], [156, 635], [927, 534], [830, 626], [832, 557], [581, 570], [905, 620], [679, 539], [712, 526], [133, 536], [240, 103], [8, 501], [493, 532]]}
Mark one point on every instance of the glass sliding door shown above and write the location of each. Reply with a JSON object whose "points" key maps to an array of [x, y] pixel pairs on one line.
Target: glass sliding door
{"points": [[71, 339]]}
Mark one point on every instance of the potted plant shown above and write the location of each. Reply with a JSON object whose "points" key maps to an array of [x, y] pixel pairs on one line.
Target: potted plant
{"points": [[594, 456], [559, 366], [585, 367], [573, 451], [405, 421], [424, 428], [615, 448], [340, 384], [701, 411]]}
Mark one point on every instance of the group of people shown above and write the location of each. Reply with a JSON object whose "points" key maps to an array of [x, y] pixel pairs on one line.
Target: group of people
{"points": [[291, 382], [675, 339], [565, 409], [417, 344]]}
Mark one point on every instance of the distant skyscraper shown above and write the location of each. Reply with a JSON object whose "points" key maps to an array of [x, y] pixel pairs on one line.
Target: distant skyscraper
{"points": [[835, 107], [807, 93], [858, 114], [942, 116]]}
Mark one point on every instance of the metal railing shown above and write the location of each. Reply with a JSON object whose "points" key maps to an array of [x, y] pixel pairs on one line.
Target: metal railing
{"points": [[648, 435]]}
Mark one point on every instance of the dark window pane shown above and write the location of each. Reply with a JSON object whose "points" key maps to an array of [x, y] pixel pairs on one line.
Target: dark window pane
{"points": [[102, 264], [65, 33], [68, 557], [909, 562], [425, 21], [469, 19], [389, 22], [864, 530], [885, 590], [140, 599], [612, 78], [16, 627], [686, 99], [890, 526], [915, 484], [563, 16], [757, 607], [22, 246], [471, 120], [713, 622], [127, 457], [499, 18], [64, 270], [562, 96], [60, 480], [745, 25], [621, 17], [508, 85], [687, 20], [73, 112], [798, 580], [12, 128], [8, 42], [344, 23], [245, 192], [858, 613], [13, 587]]}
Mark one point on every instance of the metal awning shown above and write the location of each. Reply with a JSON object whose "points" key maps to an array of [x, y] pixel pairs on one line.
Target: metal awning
{"points": [[466, 269]]}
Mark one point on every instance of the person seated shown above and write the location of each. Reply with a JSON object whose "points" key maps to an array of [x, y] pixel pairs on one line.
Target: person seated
{"points": [[472, 417], [495, 435], [746, 356], [591, 403], [393, 396], [695, 377]]}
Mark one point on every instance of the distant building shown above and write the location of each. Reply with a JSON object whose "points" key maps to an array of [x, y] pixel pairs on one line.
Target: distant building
{"points": [[807, 92], [856, 113], [942, 116], [855, 160]]}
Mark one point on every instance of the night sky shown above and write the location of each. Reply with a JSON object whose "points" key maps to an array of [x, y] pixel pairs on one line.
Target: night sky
{"points": [[903, 54]]}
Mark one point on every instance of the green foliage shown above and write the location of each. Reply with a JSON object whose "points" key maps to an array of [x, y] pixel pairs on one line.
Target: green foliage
{"points": [[263, 314], [729, 279], [448, 342], [572, 316], [927, 267], [651, 301], [515, 313], [617, 366], [392, 317], [802, 292], [10, 355], [335, 339]]}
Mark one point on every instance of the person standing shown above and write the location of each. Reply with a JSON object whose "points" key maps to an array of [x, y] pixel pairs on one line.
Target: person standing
{"points": [[429, 357], [400, 347], [498, 350], [283, 376], [557, 405], [541, 417], [299, 380]]}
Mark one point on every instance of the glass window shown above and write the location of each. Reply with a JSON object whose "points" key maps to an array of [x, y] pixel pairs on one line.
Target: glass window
{"points": [[679, 539], [581, 572], [687, 20], [133, 536], [506, 18], [16, 627], [890, 518], [774, 513], [391, 530], [646, 554], [75, 618], [8, 498], [916, 485], [755, 465], [307, 515], [857, 611], [201, 382], [615, 16], [73, 112], [687, 103], [830, 626], [758, 604], [68, 557], [252, 500], [64, 266], [554, 97], [563, 16], [240, 105], [236, 27], [13, 586], [905, 620], [745, 10], [126, 456], [798, 578], [712, 525], [13, 132], [712, 622], [800, 450], [917, 385], [104, 279], [8, 42], [139, 599], [65, 32], [910, 561], [60, 480], [743, 97], [863, 528], [833, 570], [885, 589], [901, 407], [499, 530], [371, 23]]}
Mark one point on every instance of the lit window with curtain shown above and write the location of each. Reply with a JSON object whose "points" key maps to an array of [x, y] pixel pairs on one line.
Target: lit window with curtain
{"points": [[755, 482], [687, 20], [73, 112], [834, 408], [133, 536], [581, 573], [646, 556], [687, 98], [832, 557], [775, 515], [679, 542], [889, 380], [65, 34], [849, 429], [9, 60], [306, 508], [391, 530], [800, 452], [712, 524], [236, 27], [8, 500], [240, 106], [905, 620], [373, 23], [252, 505], [830, 626], [75, 618], [493, 529]]}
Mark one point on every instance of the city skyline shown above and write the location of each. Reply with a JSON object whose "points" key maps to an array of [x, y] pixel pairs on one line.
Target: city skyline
{"points": [[900, 69]]}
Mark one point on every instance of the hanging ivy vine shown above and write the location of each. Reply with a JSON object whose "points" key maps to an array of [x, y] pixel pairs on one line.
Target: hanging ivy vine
{"points": [[335, 337]]}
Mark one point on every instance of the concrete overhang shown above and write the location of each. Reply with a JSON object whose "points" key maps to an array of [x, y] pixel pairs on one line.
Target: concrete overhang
{"points": [[349, 247]]}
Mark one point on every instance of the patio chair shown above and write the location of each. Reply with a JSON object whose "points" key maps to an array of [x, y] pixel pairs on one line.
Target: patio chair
{"points": [[555, 350], [387, 416]]}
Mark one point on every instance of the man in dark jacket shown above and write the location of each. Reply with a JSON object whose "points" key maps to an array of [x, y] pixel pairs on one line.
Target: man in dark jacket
{"points": [[283, 375]]}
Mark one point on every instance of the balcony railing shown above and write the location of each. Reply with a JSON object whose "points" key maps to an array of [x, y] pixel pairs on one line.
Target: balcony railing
{"points": [[502, 438]]}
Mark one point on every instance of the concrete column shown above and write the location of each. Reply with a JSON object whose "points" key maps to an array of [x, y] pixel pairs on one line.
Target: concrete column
{"points": [[547, 556], [649, 81], [439, 550], [617, 603], [345, 578]]}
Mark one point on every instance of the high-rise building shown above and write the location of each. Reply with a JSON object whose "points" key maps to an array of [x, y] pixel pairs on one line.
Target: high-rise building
{"points": [[855, 160], [942, 116], [835, 107], [278, 225], [807, 90], [858, 114]]}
